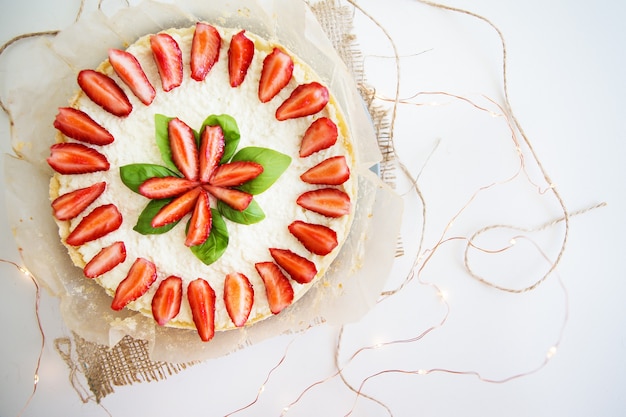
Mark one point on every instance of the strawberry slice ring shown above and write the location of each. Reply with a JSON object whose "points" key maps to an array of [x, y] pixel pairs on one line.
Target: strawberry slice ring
{"points": [[245, 204]]}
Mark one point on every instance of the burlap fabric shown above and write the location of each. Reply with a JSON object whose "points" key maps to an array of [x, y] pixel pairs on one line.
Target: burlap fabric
{"points": [[129, 362]]}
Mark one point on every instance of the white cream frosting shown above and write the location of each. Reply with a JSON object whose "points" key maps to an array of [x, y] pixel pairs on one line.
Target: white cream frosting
{"points": [[192, 102]]}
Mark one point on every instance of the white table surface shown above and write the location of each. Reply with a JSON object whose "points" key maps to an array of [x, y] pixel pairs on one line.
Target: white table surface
{"points": [[566, 83]]}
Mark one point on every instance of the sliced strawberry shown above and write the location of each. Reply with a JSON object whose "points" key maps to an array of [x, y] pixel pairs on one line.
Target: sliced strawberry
{"points": [[105, 260], [128, 68], [76, 158], [236, 199], [105, 92], [330, 202], [177, 208], [277, 287], [318, 239], [140, 277], [238, 297], [184, 148], [299, 268], [211, 151], [240, 54], [167, 299], [156, 188], [305, 100], [202, 302], [70, 205], [200, 223], [100, 222], [235, 173], [205, 50], [275, 75], [79, 125], [168, 59], [322, 134], [331, 171]]}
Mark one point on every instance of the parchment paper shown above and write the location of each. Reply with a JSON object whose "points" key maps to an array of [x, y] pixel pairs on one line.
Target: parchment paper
{"points": [[355, 279]]}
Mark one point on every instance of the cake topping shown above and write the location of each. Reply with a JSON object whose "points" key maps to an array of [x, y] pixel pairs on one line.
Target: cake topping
{"points": [[108, 258], [277, 287], [184, 149], [330, 202], [205, 50], [202, 302], [238, 297], [211, 150], [240, 54], [177, 208], [331, 171], [167, 299], [201, 220], [305, 100], [78, 125], [275, 75], [299, 268], [141, 276], [105, 92], [100, 222], [129, 70], [317, 238], [168, 59], [76, 158], [322, 134], [71, 204]]}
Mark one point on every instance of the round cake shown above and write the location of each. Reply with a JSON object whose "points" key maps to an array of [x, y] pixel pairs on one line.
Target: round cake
{"points": [[203, 177]]}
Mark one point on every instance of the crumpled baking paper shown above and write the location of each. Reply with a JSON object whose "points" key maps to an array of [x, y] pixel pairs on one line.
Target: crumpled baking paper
{"points": [[354, 281]]}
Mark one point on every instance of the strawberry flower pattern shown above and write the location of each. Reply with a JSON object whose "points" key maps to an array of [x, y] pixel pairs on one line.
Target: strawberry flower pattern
{"points": [[205, 179]]}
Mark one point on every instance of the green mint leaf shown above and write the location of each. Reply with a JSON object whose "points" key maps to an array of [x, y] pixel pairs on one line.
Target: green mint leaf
{"points": [[144, 222], [274, 164], [134, 175], [163, 141], [251, 215], [215, 245], [231, 133]]}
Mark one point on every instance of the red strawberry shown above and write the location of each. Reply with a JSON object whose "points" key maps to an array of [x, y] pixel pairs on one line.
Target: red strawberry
{"points": [[331, 171], [168, 59], [277, 287], [200, 223], [236, 199], [105, 92], [202, 302], [166, 300], [318, 239], [322, 134], [211, 150], [184, 148], [105, 260], [235, 173], [238, 297], [275, 75], [240, 54], [330, 202], [299, 268], [100, 222], [128, 68], [305, 100], [177, 208], [78, 125], [76, 158], [70, 205], [205, 50], [140, 277], [156, 188]]}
